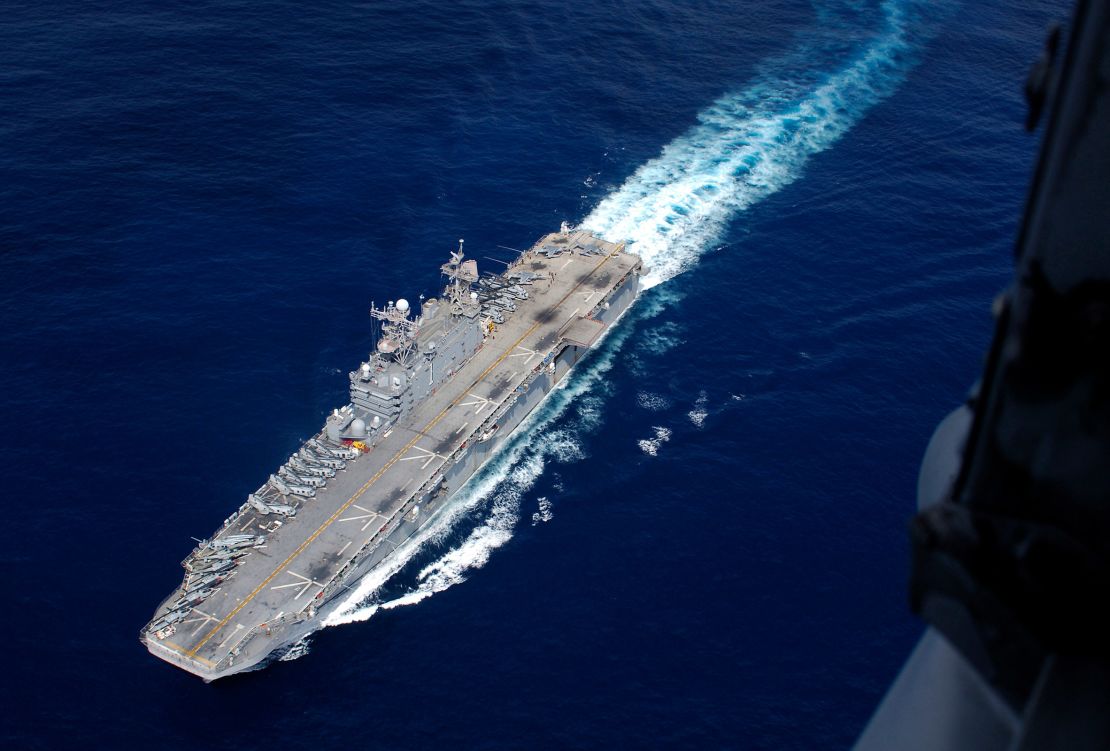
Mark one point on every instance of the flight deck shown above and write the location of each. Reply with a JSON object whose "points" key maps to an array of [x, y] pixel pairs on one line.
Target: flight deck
{"points": [[278, 563]]}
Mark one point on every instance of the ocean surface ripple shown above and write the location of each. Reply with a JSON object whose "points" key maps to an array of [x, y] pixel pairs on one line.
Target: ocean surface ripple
{"points": [[697, 541]]}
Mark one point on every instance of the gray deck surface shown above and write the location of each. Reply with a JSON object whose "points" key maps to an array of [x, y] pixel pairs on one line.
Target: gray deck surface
{"points": [[303, 555]]}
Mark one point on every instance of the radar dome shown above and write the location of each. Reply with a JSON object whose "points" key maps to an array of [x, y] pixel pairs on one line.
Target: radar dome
{"points": [[402, 305], [358, 427]]}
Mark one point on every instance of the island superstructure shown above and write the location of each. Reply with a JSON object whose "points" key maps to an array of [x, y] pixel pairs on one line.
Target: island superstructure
{"points": [[439, 394]]}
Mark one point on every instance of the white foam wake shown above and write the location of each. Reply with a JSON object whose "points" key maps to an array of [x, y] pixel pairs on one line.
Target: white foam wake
{"points": [[650, 446], [543, 511], [502, 484], [746, 147]]}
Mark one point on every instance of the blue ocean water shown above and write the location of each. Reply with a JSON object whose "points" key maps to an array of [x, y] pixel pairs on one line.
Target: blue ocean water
{"points": [[700, 542]]}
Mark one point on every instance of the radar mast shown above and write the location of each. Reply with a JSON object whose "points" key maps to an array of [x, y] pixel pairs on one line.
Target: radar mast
{"points": [[398, 340]]}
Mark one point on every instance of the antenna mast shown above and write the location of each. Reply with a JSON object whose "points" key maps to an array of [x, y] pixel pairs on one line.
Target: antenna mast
{"points": [[462, 274]]}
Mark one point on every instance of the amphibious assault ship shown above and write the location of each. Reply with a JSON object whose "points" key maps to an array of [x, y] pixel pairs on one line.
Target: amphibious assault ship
{"points": [[442, 390]]}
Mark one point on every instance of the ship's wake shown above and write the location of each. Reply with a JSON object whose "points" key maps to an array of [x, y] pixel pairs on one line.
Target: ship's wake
{"points": [[749, 145], [745, 147]]}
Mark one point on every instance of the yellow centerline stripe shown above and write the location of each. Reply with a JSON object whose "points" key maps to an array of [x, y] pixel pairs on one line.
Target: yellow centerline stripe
{"points": [[377, 475], [181, 649]]}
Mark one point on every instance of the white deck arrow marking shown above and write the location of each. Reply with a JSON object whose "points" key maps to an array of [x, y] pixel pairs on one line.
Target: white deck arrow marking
{"points": [[529, 353], [479, 401], [203, 619], [305, 583], [371, 515], [427, 456], [588, 296]]}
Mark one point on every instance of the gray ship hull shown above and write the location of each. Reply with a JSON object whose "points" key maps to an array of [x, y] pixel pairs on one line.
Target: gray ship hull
{"points": [[287, 587]]}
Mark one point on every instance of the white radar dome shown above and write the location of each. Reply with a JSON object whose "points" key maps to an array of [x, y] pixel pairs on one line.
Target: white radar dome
{"points": [[402, 305], [358, 427]]}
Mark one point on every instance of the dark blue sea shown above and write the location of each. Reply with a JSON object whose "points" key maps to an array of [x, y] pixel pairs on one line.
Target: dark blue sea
{"points": [[699, 543]]}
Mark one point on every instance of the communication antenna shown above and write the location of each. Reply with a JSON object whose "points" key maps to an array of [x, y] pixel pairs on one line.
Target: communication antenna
{"points": [[457, 264], [461, 275]]}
